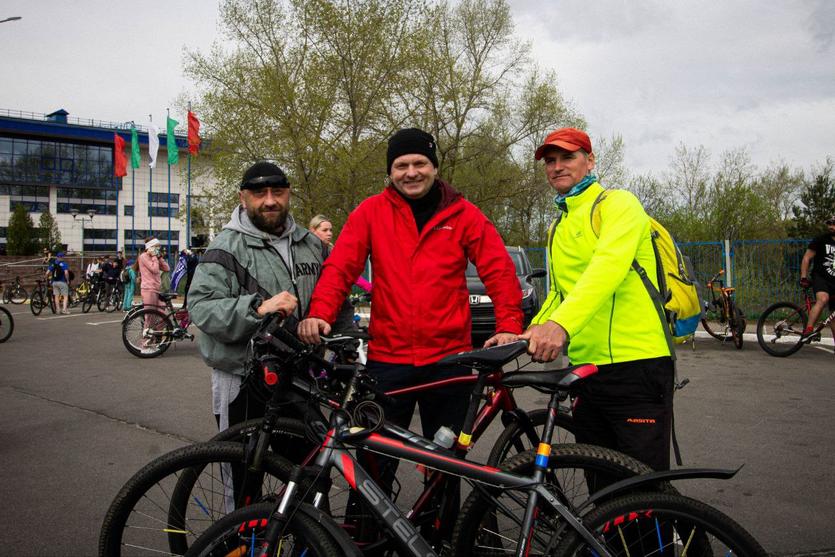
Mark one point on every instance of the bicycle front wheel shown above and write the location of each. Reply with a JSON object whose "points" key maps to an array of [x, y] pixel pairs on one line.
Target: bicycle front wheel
{"points": [[147, 333], [150, 517], [646, 524], [6, 324], [242, 533], [489, 522], [779, 329], [36, 304], [18, 295]]}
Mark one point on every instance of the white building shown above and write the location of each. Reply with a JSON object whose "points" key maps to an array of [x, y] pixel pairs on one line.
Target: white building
{"points": [[66, 165]]}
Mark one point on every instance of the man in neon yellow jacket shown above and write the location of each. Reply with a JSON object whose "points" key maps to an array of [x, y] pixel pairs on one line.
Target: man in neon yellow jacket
{"points": [[600, 303]]}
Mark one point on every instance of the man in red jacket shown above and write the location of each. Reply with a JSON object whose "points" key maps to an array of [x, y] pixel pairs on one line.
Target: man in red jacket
{"points": [[420, 234]]}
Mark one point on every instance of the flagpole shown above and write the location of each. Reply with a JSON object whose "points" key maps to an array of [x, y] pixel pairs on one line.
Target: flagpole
{"points": [[150, 185], [168, 209], [133, 213], [188, 191]]}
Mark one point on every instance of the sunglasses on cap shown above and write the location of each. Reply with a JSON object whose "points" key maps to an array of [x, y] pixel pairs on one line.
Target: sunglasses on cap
{"points": [[279, 181]]}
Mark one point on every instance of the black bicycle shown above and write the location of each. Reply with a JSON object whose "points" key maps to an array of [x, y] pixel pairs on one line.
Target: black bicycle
{"points": [[168, 503], [780, 327], [15, 293], [620, 519], [41, 298]]}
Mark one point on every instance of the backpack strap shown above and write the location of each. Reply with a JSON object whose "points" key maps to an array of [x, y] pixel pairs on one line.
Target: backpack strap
{"points": [[227, 261]]}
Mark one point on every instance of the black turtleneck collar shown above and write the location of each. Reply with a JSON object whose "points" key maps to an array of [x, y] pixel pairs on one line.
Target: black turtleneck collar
{"points": [[425, 207]]}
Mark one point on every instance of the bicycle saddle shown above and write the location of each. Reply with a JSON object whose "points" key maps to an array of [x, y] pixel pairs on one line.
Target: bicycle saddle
{"points": [[492, 358], [166, 296], [549, 381]]}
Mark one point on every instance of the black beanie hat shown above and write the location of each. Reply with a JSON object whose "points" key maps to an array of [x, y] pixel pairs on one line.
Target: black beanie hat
{"points": [[411, 141], [263, 174]]}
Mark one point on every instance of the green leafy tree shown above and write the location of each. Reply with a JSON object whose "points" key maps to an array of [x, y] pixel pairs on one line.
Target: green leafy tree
{"points": [[21, 235], [816, 203], [318, 86], [49, 234]]}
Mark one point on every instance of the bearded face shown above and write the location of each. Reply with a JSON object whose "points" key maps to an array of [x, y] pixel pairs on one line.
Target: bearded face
{"points": [[267, 208]]}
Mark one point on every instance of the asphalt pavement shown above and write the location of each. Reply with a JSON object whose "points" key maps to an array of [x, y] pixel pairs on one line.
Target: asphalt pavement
{"points": [[79, 415]]}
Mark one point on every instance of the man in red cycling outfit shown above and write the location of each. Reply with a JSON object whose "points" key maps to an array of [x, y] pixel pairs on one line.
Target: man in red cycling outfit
{"points": [[420, 233]]}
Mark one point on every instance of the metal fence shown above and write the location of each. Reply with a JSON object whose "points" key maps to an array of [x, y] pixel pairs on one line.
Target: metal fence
{"points": [[762, 271]]}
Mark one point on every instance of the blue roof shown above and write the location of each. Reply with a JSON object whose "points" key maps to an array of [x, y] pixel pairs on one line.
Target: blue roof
{"points": [[73, 132]]}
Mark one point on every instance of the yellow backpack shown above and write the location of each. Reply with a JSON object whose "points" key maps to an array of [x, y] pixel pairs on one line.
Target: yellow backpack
{"points": [[677, 293]]}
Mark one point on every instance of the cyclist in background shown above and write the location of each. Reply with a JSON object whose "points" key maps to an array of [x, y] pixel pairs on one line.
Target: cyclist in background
{"points": [[601, 303], [59, 273], [821, 255]]}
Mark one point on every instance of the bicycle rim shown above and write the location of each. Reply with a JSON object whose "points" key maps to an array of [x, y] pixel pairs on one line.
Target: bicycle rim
{"points": [[779, 329], [150, 516], [647, 524], [36, 304], [18, 295]]}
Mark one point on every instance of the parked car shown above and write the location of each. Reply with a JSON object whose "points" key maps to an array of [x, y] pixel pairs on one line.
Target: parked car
{"points": [[481, 306]]}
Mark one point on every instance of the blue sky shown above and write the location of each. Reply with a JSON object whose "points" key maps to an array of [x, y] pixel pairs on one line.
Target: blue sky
{"points": [[731, 74]]}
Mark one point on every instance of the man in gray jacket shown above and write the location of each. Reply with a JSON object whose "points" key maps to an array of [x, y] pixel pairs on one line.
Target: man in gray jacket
{"points": [[260, 263]]}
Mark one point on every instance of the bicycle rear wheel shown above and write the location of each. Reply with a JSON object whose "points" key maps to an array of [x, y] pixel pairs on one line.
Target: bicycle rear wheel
{"points": [[147, 338], [150, 517], [489, 522], [779, 329], [6, 324], [661, 524], [514, 439], [89, 300]]}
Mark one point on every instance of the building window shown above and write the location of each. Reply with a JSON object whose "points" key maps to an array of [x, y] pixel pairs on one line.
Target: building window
{"points": [[100, 239], [103, 202], [160, 204], [128, 210], [41, 162], [34, 198], [138, 237]]}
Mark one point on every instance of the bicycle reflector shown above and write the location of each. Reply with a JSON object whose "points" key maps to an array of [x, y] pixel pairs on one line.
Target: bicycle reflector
{"points": [[270, 375]]}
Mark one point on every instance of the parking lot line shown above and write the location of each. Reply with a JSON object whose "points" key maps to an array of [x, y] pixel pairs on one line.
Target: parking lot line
{"points": [[104, 322]]}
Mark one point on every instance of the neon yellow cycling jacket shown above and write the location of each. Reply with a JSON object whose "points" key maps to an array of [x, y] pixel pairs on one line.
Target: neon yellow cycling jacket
{"points": [[595, 294]]}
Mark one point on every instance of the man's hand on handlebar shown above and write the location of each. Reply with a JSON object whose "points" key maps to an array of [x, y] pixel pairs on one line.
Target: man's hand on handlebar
{"points": [[545, 341], [283, 303], [310, 329], [500, 338]]}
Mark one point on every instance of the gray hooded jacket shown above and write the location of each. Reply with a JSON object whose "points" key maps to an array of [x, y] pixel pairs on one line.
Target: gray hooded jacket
{"points": [[241, 267]]}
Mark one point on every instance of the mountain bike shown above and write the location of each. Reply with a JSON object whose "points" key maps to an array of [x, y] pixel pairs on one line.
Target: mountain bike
{"points": [[150, 331], [15, 293], [95, 293], [42, 297], [722, 308], [781, 325], [183, 490], [110, 298], [6, 324], [616, 520]]}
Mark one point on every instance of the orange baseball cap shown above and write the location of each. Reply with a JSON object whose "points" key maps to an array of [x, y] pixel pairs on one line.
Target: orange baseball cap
{"points": [[570, 139]]}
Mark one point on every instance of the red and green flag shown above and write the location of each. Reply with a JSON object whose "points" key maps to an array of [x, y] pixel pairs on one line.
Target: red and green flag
{"points": [[171, 142], [193, 133], [134, 148], [120, 162]]}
